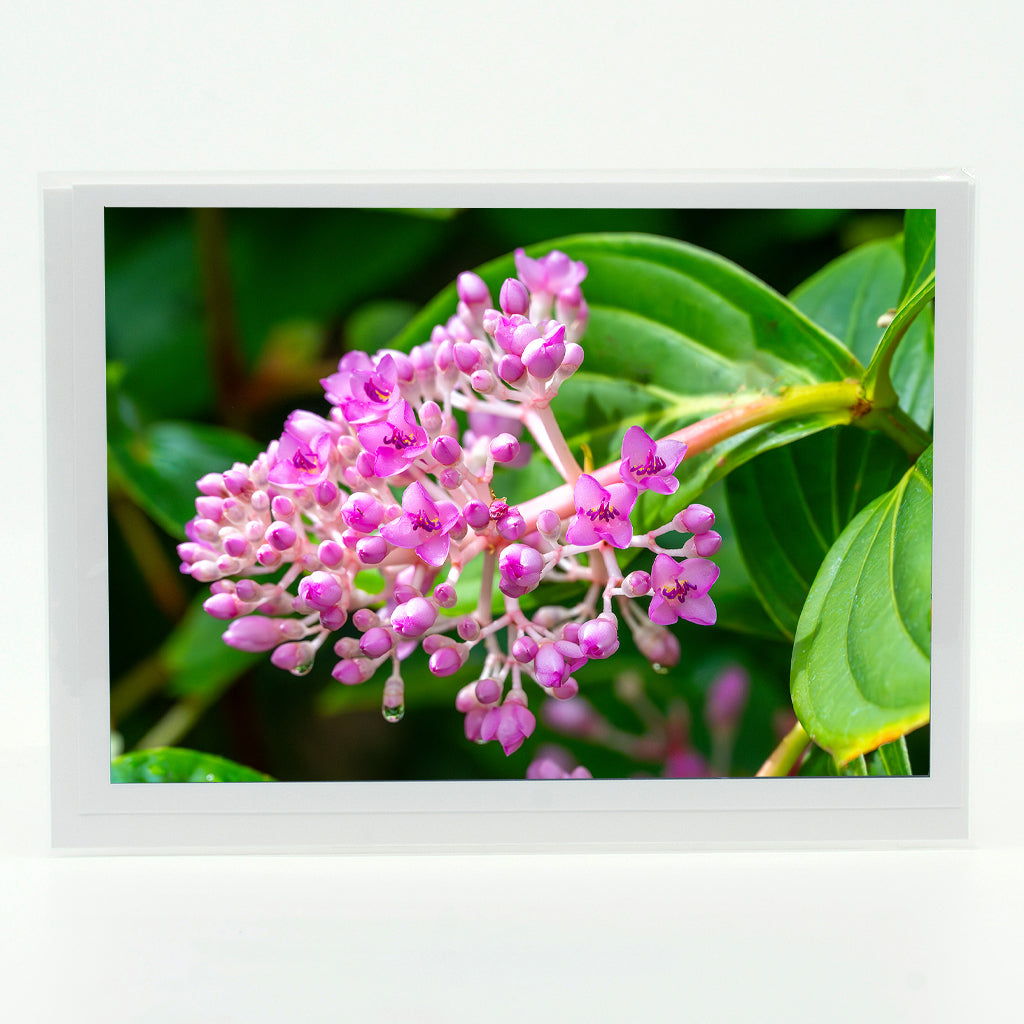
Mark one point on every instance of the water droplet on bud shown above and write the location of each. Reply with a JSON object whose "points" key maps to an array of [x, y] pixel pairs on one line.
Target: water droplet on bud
{"points": [[394, 714], [660, 669]]}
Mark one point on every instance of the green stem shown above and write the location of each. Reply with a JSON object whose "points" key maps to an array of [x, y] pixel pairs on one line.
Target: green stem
{"points": [[781, 760], [878, 388], [843, 399]]}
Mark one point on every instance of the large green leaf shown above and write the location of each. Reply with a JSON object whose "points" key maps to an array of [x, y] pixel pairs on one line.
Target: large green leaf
{"points": [[176, 764], [676, 334], [861, 657], [159, 466], [919, 249], [790, 505], [848, 296]]}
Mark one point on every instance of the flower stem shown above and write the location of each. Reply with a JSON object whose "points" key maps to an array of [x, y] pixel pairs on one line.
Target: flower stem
{"points": [[548, 434], [786, 754]]}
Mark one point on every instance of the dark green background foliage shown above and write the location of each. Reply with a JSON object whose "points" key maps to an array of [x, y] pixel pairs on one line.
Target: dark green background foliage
{"points": [[219, 322]]}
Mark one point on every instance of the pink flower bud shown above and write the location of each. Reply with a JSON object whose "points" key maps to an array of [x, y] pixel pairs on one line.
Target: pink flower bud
{"points": [[435, 642], [371, 550], [549, 666], [213, 485], [221, 606], [468, 628], [511, 369], [548, 523], [364, 619], [511, 724], [352, 671], [446, 450], [488, 691], [524, 650], [599, 638], [519, 570], [376, 642], [445, 595], [448, 660], [476, 514], [569, 689], [703, 545], [512, 525], [467, 357], [694, 519], [253, 633], [210, 508], [321, 590], [504, 448], [571, 718], [430, 417], [330, 553], [637, 583], [472, 289], [280, 536], [282, 507], [658, 646], [414, 618], [482, 381], [514, 297], [326, 493], [296, 658]]}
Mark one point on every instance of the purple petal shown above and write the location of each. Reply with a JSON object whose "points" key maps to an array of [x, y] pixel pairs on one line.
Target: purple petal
{"points": [[581, 532], [588, 493], [664, 572], [435, 550], [661, 611], [700, 572], [700, 610]]}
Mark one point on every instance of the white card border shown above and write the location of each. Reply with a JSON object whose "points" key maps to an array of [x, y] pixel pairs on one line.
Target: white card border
{"points": [[88, 812]]}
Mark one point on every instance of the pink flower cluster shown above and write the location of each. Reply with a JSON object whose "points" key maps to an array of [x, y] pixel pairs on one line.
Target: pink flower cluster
{"points": [[394, 485]]}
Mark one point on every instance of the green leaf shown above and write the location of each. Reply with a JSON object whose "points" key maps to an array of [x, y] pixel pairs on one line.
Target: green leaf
{"points": [[879, 381], [918, 248], [159, 466], [861, 657], [891, 759], [848, 296], [197, 660], [676, 334], [790, 505], [176, 764]]}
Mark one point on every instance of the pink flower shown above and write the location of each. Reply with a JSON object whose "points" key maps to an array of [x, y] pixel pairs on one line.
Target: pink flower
{"points": [[511, 724], [374, 392], [650, 464], [304, 451], [601, 514], [395, 442], [681, 591], [423, 526], [552, 273]]}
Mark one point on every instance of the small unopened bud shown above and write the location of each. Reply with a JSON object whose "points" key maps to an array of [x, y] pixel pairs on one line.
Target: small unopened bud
{"points": [[504, 448], [430, 417], [514, 297], [376, 642], [636, 584], [296, 657], [446, 450], [694, 519], [512, 525]]}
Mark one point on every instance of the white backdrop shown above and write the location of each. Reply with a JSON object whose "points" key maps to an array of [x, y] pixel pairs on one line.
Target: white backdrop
{"points": [[113, 85]]}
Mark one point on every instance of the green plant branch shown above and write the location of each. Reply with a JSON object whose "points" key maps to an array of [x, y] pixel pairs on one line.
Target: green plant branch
{"points": [[878, 389], [781, 760]]}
